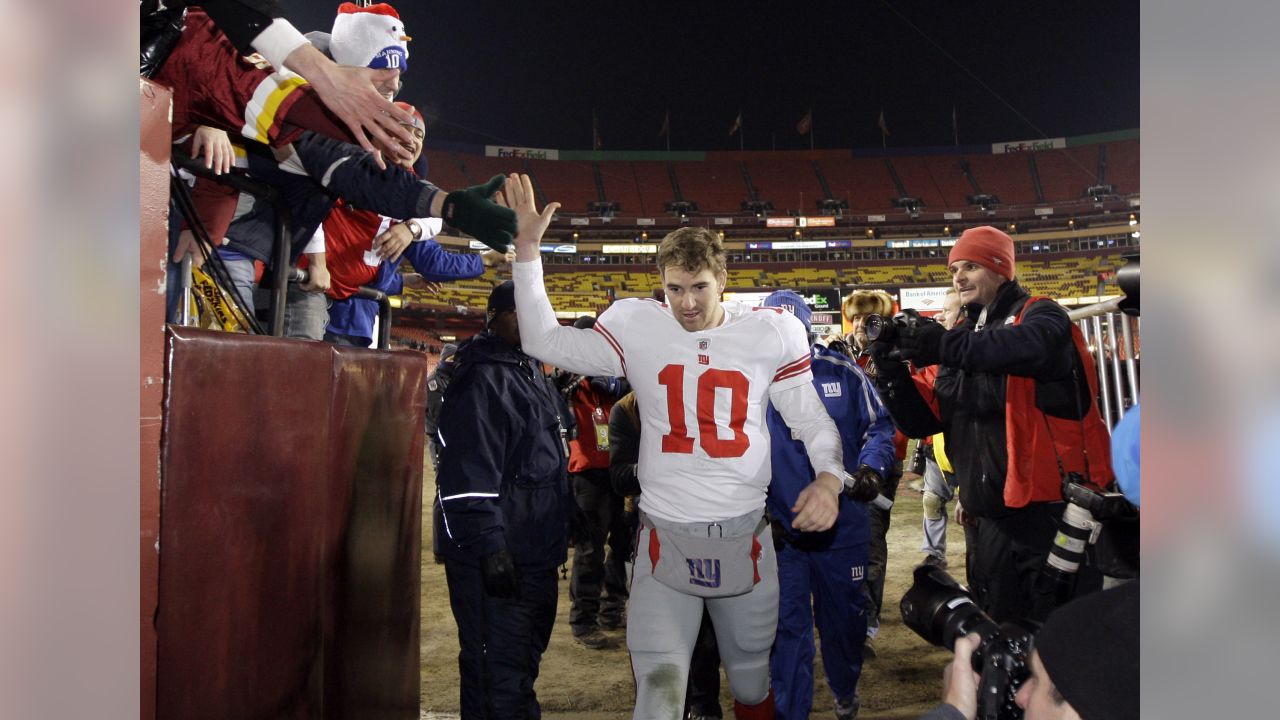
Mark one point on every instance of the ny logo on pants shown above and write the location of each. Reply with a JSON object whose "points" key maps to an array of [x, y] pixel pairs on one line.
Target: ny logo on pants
{"points": [[704, 571]]}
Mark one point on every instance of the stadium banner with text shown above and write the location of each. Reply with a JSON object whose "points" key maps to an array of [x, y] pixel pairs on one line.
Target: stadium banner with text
{"points": [[952, 216], [780, 222], [875, 218], [1043, 211], [724, 221], [824, 324], [1029, 145], [646, 221], [641, 249], [800, 245], [820, 221], [503, 151], [579, 221], [926, 300]]}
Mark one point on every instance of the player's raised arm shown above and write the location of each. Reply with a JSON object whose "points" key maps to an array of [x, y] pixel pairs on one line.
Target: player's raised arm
{"points": [[586, 352]]}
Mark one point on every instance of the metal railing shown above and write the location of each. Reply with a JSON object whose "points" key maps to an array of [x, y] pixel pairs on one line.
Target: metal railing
{"points": [[1114, 339], [282, 244]]}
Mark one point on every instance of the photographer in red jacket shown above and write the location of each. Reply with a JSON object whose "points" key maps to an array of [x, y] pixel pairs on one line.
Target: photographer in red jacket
{"points": [[1014, 396]]}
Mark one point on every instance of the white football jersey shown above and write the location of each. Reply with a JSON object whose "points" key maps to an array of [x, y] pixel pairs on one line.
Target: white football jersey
{"points": [[707, 392]]}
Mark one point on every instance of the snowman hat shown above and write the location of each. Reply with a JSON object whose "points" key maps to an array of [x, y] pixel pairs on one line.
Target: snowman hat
{"points": [[370, 36]]}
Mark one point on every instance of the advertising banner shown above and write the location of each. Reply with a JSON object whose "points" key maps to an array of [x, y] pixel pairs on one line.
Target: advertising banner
{"points": [[1029, 145], [1044, 211], [820, 221], [724, 221], [926, 300], [780, 222], [503, 151], [630, 249]]}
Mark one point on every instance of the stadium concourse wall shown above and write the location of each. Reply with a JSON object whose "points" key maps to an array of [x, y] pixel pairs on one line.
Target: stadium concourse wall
{"points": [[280, 508]]}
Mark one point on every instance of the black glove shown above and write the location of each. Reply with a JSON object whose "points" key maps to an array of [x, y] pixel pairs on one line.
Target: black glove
{"points": [[885, 364], [922, 344], [500, 577], [472, 212], [863, 485]]}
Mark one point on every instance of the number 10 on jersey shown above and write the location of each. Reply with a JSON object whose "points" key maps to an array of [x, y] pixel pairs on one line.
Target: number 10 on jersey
{"points": [[678, 440]]}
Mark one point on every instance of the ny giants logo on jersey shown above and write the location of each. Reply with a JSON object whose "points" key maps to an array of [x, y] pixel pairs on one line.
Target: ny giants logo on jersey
{"points": [[704, 572], [832, 389], [857, 572], [704, 359]]}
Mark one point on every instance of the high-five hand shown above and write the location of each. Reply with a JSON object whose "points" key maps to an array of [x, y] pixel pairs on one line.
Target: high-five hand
{"points": [[530, 224]]}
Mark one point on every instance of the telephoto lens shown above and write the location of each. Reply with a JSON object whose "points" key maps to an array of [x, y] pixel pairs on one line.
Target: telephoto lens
{"points": [[939, 610]]}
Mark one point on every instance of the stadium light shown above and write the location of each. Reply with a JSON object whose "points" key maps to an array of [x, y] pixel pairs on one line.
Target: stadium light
{"points": [[1133, 219], [1013, 228]]}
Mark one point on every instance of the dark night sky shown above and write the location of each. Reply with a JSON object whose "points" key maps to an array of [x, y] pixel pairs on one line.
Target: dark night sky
{"points": [[531, 74]]}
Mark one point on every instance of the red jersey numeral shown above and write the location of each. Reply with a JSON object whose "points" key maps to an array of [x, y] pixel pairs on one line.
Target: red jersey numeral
{"points": [[678, 440]]}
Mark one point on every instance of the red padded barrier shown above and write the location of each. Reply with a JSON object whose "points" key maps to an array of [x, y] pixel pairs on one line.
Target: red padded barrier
{"points": [[154, 144], [291, 501]]}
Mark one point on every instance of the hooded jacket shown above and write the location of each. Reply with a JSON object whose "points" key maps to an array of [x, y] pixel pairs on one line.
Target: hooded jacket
{"points": [[502, 481]]}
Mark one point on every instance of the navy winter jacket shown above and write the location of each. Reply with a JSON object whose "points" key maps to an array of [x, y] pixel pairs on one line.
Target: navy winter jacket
{"points": [[502, 481]]}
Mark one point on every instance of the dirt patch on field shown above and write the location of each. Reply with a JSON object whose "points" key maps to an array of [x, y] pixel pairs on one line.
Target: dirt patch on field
{"points": [[576, 683]]}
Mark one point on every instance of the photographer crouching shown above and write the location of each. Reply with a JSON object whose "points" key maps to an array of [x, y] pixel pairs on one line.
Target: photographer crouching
{"points": [[1012, 387], [1085, 665]]}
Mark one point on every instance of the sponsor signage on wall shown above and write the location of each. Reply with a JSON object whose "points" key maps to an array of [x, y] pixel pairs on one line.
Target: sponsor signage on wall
{"points": [[951, 215], [923, 299], [875, 218], [649, 248], [503, 151], [800, 245], [1029, 145], [477, 245], [820, 221], [566, 249], [780, 222], [646, 221], [724, 221], [579, 221], [1044, 211]]}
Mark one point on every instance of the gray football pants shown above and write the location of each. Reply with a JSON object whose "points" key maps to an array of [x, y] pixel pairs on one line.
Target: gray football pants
{"points": [[663, 627]]}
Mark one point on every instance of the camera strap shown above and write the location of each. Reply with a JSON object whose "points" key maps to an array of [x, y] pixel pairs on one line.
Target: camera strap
{"points": [[1084, 450]]}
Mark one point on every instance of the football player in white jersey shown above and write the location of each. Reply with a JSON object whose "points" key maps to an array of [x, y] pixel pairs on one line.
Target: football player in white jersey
{"points": [[704, 373]]}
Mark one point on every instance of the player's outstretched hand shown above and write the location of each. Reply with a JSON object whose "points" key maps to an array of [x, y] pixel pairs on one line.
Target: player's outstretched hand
{"points": [[530, 224], [818, 504]]}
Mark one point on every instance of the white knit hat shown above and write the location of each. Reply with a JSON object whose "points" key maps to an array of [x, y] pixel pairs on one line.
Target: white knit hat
{"points": [[369, 37]]}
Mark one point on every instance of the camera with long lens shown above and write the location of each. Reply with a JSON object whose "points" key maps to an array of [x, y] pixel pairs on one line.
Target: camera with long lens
{"points": [[878, 327], [1088, 510], [940, 610]]}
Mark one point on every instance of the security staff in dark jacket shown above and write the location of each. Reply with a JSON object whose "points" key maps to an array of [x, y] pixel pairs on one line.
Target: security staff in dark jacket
{"points": [[505, 501], [1014, 396]]}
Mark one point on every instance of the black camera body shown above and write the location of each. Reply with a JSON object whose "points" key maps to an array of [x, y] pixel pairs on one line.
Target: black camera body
{"points": [[940, 610], [878, 327]]}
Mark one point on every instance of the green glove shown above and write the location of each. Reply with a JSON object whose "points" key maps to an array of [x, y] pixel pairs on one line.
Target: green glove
{"points": [[472, 212]]}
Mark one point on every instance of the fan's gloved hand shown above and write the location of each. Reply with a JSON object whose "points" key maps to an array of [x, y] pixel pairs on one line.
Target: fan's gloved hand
{"points": [[473, 211]]}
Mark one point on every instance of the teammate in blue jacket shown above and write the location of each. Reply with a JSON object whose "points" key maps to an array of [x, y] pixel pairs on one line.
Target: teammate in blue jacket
{"points": [[821, 574]]}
